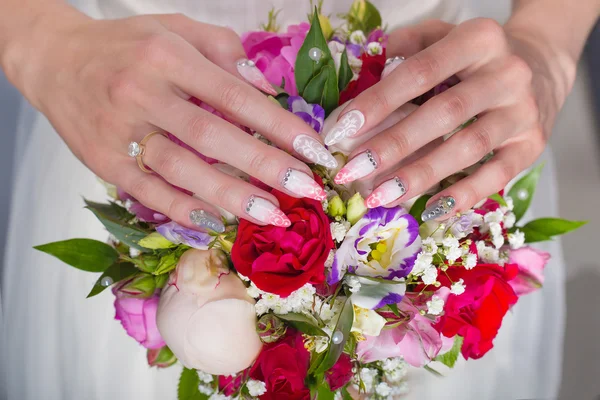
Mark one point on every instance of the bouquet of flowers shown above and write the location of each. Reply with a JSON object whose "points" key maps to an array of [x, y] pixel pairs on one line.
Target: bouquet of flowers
{"points": [[344, 300]]}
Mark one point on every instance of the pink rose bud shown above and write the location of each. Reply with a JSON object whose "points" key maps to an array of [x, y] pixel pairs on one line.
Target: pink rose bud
{"points": [[161, 358], [531, 263], [138, 317]]}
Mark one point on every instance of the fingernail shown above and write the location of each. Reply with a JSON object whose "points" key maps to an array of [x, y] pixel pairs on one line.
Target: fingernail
{"points": [[205, 220], [250, 72], [347, 127], [266, 212], [385, 193], [314, 151], [438, 208], [359, 167], [390, 65], [303, 185]]}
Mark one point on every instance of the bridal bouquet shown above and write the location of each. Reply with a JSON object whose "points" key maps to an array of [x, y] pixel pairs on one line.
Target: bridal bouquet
{"points": [[343, 301]]}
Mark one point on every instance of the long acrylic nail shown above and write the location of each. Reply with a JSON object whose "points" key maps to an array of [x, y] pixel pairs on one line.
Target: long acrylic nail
{"points": [[385, 193], [250, 72], [359, 167], [347, 127], [390, 65], [266, 212], [303, 185], [205, 220], [441, 206], [314, 151]]}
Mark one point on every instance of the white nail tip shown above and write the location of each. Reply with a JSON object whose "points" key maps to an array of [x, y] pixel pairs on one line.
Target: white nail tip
{"points": [[303, 185], [314, 151], [387, 192], [347, 127], [359, 167], [266, 212]]}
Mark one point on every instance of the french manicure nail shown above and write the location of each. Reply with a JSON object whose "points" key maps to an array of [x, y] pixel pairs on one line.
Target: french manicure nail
{"points": [[438, 208], [314, 151], [250, 72], [205, 220], [266, 212], [390, 65], [359, 167], [385, 193], [347, 127], [303, 185]]}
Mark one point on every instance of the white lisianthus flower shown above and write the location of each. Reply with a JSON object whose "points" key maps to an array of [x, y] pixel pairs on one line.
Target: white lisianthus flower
{"points": [[358, 37], [374, 48], [430, 275], [470, 261], [435, 306], [458, 288], [367, 322], [516, 240], [256, 388]]}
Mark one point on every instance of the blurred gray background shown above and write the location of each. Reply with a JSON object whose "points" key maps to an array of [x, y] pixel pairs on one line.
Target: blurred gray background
{"points": [[576, 145]]}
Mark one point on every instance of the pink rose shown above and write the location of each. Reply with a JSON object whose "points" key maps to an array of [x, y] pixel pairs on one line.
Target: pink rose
{"points": [[275, 53], [531, 263], [138, 317]]}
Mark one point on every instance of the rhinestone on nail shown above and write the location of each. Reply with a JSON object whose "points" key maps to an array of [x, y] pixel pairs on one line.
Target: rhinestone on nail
{"points": [[250, 204], [286, 177], [371, 159]]}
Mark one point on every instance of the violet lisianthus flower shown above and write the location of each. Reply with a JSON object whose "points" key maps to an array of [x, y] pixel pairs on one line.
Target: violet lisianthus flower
{"points": [[178, 234], [383, 244], [312, 114], [138, 317]]}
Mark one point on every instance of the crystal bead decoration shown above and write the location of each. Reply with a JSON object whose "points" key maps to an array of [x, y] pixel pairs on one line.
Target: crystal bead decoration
{"points": [[106, 281], [522, 194], [315, 54], [337, 337]]}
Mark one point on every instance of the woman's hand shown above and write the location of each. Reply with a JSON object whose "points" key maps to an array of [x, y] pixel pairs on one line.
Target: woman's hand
{"points": [[497, 86], [105, 83]]}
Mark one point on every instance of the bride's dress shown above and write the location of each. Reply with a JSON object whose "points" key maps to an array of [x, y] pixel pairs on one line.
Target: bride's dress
{"points": [[60, 346]]}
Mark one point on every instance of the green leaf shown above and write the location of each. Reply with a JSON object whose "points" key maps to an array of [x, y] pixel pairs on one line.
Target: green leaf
{"points": [[118, 272], [418, 207], [371, 18], [188, 386], [84, 254], [345, 394], [282, 99], [315, 361], [532, 236], [449, 358], [345, 74], [324, 392], [156, 241], [304, 323], [394, 308], [552, 226], [110, 217], [313, 93], [306, 68], [331, 93], [526, 185], [169, 261], [363, 15], [344, 325], [499, 199]]}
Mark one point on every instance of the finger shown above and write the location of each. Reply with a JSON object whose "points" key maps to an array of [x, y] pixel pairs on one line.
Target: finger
{"points": [[438, 116], [462, 150], [216, 138], [156, 194], [239, 102], [492, 177], [462, 52], [182, 168]]}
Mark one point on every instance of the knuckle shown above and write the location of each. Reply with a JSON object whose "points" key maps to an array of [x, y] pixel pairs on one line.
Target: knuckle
{"points": [[201, 131], [123, 89], [171, 165], [471, 195], [520, 70], [226, 38], [140, 188], [396, 146], [489, 30], [174, 208], [505, 173], [233, 97], [427, 173], [221, 194], [423, 69], [480, 144], [377, 100], [260, 163], [452, 110], [154, 50]]}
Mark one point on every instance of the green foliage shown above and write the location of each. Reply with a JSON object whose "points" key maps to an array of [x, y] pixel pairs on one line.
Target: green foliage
{"points": [[156, 241], [344, 325], [304, 323], [363, 16], [499, 199], [543, 229], [324, 392], [118, 272], [450, 358], [188, 386], [169, 260], [527, 185], [418, 207], [84, 254], [117, 221], [345, 73]]}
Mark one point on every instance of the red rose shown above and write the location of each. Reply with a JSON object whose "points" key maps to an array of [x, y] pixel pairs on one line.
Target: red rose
{"points": [[370, 74], [282, 366], [341, 373], [280, 260], [477, 314]]}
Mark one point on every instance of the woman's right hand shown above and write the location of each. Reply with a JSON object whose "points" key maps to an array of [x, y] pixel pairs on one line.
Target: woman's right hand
{"points": [[105, 83]]}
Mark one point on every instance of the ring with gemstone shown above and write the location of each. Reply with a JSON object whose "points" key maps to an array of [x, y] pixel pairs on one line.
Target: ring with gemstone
{"points": [[136, 150]]}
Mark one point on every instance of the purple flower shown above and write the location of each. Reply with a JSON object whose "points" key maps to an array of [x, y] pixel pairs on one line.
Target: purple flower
{"points": [[178, 234], [463, 226], [312, 114], [382, 244]]}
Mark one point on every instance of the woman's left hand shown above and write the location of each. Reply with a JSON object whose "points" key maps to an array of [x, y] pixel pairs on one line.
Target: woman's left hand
{"points": [[496, 85]]}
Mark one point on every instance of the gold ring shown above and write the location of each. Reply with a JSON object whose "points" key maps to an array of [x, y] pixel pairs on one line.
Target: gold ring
{"points": [[136, 150]]}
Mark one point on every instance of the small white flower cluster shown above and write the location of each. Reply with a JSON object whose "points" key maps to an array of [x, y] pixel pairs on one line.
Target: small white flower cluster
{"points": [[492, 225], [435, 306], [327, 313], [458, 288], [352, 282], [394, 369], [339, 230], [374, 49], [256, 388], [299, 301], [205, 380], [424, 267], [451, 249]]}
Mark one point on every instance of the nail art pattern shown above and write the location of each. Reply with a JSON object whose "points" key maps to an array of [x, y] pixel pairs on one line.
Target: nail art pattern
{"points": [[303, 185], [250, 72], [347, 127], [438, 208], [266, 212], [205, 220], [310, 148], [387, 192], [359, 167], [390, 65]]}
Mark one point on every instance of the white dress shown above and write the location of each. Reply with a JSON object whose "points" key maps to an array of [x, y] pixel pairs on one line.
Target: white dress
{"points": [[60, 346]]}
